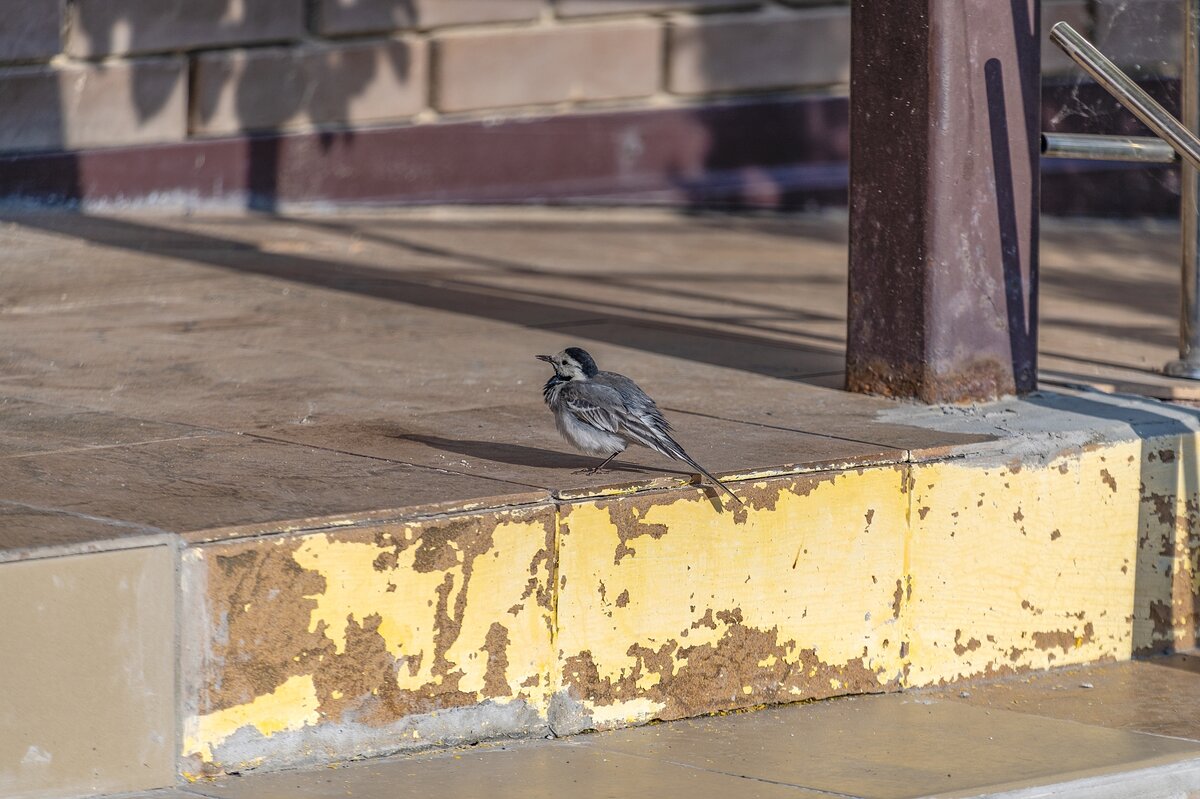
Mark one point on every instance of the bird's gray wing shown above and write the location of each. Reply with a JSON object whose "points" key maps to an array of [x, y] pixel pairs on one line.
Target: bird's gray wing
{"points": [[642, 421], [638, 402], [595, 404]]}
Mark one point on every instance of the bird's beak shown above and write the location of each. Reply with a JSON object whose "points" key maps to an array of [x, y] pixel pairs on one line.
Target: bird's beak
{"points": [[546, 358]]}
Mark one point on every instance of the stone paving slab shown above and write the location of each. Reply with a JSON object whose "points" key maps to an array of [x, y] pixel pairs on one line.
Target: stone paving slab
{"points": [[481, 442], [28, 428], [195, 484], [1159, 695]]}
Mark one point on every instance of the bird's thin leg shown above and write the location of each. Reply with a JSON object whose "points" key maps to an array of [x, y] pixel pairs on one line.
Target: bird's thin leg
{"points": [[600, 468]]}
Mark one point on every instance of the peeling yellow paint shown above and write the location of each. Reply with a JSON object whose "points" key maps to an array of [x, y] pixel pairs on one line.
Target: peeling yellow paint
{"points": [[648, 680], [800, 568], [289, 707], [978, 568], [875, 577], [355, 589], [633, 711]]}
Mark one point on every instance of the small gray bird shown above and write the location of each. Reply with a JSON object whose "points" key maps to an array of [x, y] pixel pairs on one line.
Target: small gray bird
{"points": [[601, 413]]}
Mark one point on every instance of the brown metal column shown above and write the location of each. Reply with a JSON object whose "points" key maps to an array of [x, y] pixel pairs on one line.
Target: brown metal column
{"points": [[944, 198]]}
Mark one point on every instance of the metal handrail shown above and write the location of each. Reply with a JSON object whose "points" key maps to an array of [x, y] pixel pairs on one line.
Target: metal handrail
{"points": [[1127, 93], [1091, 147], [1179, 135]]}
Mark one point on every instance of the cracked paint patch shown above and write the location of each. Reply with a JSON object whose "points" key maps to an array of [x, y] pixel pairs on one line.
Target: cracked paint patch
{"points": [[291, 706], [1166, 614], [718, 611], [378, 624], [1023, 568]]}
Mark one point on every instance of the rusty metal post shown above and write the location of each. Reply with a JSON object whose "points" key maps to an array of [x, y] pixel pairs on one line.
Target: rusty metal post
{"points": [[945, 140]]}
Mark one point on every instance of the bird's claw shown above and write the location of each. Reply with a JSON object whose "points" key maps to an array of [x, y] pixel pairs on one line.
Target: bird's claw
{"points": [[592, 470]]}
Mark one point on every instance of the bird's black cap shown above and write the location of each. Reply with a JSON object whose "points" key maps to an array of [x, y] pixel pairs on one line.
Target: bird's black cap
{"points": [[584, 360]]}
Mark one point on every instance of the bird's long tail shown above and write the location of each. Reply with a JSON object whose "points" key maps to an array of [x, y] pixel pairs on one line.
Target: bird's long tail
{"points": [[657, 437], [714, 480], [675, 451]]}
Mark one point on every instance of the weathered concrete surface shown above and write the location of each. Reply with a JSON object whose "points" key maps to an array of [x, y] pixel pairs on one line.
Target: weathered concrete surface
{"points": [[1158, 695], [363, 637], [317, 409], [881, 747], [669, 609], [600, 612]]}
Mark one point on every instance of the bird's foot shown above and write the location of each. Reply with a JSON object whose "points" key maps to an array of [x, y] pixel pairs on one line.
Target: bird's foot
{"points": [[592, 470], [599, 468]]}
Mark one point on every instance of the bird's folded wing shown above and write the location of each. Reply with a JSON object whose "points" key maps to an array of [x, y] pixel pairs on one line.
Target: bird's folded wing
{"points": [[637, 402], [597, 405]]}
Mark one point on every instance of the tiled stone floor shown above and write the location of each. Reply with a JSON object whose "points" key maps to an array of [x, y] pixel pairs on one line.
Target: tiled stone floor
{"points": [[153, 367]]}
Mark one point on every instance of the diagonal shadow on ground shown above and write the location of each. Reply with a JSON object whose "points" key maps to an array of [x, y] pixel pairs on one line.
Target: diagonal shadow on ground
{"points": [[691, 339], [525, 456]]}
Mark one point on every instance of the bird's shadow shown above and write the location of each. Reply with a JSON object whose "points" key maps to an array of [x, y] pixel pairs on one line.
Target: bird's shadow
{"points": [[519, 455]]}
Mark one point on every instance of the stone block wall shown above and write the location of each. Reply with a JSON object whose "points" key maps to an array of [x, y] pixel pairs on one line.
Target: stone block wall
{"points": [[77, 74]]}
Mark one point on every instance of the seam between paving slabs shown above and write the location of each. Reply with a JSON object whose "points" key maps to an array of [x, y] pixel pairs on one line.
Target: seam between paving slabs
{"points": [[601, 747], [783, 428], [178, 548], [106, 520], [383, 459], [101, 447], [904, 589]]}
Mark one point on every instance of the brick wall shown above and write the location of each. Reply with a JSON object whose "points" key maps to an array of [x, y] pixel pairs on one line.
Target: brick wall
{"points": [[100, 73]]}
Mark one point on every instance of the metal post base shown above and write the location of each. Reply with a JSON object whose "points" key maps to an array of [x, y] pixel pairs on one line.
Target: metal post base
{"points": [[1184, 369]]}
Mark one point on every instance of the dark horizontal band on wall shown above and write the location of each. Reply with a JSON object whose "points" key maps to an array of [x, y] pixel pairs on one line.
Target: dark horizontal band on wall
{"points": [[770, 153]]}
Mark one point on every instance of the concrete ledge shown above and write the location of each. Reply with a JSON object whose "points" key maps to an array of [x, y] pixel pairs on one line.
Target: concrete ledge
{"points": [[1062, 543], [87, 672]]}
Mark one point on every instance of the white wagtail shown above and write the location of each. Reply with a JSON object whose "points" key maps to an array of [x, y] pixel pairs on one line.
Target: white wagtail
{"points": [[601, 413]]}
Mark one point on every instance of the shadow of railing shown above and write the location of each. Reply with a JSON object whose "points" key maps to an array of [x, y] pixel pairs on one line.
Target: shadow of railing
{"points": [[691, 337]]}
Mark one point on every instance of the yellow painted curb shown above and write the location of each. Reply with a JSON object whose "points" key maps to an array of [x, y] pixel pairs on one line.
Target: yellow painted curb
{"points": [[609, 611]]}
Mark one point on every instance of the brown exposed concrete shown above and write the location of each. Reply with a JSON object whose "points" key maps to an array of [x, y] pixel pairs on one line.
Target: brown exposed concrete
{"points": [[714, 676], [384, 620], [263, 599]]}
